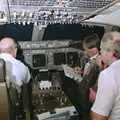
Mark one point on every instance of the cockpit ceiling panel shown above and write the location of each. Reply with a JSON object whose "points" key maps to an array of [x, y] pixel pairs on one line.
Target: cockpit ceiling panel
{"points": [[47, 11], [62, 3]]}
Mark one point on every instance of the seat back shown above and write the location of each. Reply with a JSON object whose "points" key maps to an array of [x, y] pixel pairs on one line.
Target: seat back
{"points": [[4, 101]]}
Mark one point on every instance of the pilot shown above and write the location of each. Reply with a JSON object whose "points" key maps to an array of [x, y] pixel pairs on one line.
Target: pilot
{"points": [[88, 85], [16, 72], [91, 45], [19, 72]]}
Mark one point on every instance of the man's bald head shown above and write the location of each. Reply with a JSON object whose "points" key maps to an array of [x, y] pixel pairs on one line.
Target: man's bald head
{"points": [[8, 45]]}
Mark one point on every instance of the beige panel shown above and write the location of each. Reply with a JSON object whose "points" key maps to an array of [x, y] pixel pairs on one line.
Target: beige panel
{"points": [[4, 105]]}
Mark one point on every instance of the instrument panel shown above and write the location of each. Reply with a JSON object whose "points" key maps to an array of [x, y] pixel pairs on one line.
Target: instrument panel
{"points": [[49, 54]]}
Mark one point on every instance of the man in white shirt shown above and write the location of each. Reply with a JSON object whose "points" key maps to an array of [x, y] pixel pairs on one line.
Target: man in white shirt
{"points": [[107, 103], [17, 73]]}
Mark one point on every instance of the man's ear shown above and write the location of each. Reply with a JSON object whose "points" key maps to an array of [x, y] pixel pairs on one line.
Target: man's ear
{"points": [[15, 52], [116, 54]]}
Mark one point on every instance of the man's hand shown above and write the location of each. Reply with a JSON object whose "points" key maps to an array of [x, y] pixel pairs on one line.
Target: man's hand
{"points": [[92, 95], [77, 71], [95, 116]]}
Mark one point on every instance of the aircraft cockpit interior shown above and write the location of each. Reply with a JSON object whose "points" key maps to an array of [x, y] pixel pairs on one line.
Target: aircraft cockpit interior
{"points": [[49, 34], [44, 56]]}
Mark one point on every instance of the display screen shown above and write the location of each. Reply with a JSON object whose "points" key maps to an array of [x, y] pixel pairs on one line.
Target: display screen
{"points": [[59, 58], [19, 32], [39, 60]]}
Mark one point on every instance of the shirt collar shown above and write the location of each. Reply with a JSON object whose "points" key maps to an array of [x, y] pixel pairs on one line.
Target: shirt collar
{"points": [[115, 62], [94, 56], [6, 56]]}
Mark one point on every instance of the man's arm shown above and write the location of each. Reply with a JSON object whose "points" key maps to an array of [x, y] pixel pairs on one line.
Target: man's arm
{"points": [[95, 116], [105, 98]]}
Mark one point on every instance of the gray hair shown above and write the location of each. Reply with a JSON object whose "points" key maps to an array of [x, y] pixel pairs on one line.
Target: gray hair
{"points": [[111, 42]]}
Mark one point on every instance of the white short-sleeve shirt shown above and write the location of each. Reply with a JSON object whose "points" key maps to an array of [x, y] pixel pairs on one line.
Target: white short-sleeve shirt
{"points": [[16, 71], [107, 101]]}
